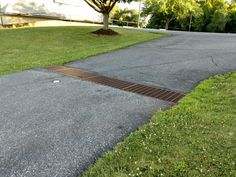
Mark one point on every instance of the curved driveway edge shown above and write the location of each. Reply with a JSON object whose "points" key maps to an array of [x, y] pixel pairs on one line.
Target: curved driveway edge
{"points": [[59, 128]]}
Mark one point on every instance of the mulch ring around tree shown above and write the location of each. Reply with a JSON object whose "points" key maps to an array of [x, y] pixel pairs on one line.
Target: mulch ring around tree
{"points": [[105, 32]]}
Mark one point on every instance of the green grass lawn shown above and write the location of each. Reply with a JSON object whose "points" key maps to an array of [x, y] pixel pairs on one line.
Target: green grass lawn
{"points": [[195, 138], [26, 48]]}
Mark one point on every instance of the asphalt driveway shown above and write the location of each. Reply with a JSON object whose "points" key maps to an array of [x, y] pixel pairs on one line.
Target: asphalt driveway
{"points": [[179, 62], [59, 129]]}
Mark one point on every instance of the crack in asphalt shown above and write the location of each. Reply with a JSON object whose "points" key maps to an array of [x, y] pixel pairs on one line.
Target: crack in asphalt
{"points": [[213, 61], [216, 64]]}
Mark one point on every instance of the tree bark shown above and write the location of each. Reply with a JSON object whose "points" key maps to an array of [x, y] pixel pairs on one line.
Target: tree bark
{"points": [[190, 22], [105, 21], [167, 24]]}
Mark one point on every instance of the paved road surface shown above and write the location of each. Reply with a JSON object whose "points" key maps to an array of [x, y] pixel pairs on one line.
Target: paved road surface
{"points": [[57, 129], [178, 62]]}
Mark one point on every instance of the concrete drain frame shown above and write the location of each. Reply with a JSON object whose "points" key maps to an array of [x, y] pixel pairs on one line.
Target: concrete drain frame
{"points": [[149, 91]]}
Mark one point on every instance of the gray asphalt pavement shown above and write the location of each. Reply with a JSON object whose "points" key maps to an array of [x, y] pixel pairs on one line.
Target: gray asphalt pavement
{"points": [[58, 129], [179, 62]]}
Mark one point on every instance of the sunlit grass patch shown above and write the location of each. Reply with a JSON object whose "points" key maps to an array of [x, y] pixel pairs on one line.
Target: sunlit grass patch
{"points": [[195, 138], [27, 48]]}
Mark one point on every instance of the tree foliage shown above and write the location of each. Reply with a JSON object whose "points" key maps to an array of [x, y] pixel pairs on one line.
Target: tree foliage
{"points": [[231, 23], [170, 10], [204, 15], [124, 16]]}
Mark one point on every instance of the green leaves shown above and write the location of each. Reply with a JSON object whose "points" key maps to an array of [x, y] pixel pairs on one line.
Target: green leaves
{"points": [[126, 15], [208, 15], [172, 10]]}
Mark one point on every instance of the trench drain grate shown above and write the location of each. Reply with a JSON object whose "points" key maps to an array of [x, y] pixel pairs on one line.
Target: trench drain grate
{"points": [[149, 91]]}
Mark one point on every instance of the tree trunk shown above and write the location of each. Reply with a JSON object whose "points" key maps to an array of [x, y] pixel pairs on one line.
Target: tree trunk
{"points": [[167, 24], [190, 23], [139, 13], [105, 21]]}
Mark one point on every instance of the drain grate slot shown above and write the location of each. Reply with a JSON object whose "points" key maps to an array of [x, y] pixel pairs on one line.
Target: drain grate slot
{"points": [[158, 92], [149, 91]]}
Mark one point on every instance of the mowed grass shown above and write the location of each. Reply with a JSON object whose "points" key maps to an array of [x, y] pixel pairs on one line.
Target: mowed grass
{"points": [[195, 138], [26, 48]]}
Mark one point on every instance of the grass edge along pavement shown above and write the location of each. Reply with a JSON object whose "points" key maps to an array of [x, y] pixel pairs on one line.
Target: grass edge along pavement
{"points": [[197, 137], [28, 48]]}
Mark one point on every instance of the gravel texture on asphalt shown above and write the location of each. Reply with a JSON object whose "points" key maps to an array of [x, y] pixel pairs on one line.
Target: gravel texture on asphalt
{"points": [[58, 128]]}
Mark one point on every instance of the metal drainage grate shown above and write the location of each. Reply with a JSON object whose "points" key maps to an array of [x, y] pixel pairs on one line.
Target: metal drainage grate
{"points": [[154, 92]]}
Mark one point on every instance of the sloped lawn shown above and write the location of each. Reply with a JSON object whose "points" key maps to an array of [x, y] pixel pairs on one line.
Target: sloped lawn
{"points": [[27, 48], [195, 138]]}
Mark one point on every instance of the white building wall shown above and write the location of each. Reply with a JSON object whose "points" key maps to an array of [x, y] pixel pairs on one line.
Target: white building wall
{"points": [[69, 9]]}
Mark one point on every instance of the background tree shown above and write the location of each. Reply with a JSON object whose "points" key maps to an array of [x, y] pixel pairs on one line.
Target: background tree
{"points": [[214, 16], [167, 11], [104, 7], [125, 15], [113, 11], [192, 11], [231, 23], [197, 15]]}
